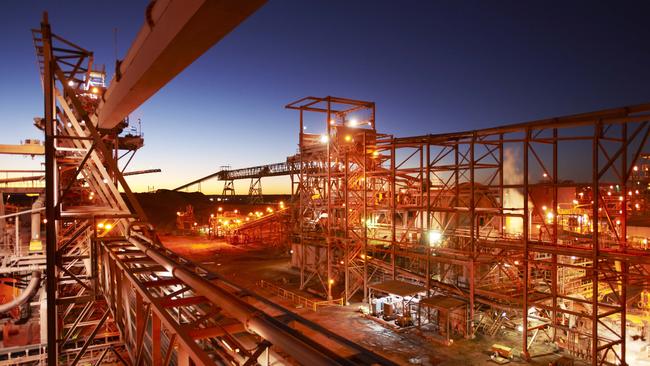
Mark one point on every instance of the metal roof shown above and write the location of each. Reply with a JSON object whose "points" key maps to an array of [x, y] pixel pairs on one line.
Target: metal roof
{"points": [[396, 287], [442, 302]]}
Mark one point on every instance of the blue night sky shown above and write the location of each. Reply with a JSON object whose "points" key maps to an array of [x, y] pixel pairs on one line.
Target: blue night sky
{"points": [[431, 66]]}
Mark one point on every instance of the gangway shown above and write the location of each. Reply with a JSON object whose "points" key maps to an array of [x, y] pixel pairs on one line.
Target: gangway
{"points": [[273, 227], [254, 173]]}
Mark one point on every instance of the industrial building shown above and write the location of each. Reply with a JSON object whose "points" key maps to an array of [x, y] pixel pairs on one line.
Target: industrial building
{"points": [[539, 227]]}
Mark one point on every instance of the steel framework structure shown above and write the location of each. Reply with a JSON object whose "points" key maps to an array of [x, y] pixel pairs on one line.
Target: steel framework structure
{"points": [[114, 293], [482, 216]]}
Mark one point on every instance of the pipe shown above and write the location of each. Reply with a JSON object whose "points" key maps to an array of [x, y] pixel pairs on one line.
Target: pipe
{"points": [[176, 33], [2, 218], [27, 294], [29, 268], [36, 218], [252, 319], [20, 213]]}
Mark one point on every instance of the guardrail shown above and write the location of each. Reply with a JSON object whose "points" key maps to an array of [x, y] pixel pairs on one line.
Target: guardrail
{"points": [[297, 299]]}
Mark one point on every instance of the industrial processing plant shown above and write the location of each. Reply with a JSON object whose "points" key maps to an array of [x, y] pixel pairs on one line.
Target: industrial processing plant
{"points": [[522, 243]]}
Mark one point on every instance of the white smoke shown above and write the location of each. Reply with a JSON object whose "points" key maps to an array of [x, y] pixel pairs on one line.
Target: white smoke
{"points": [[513, 199]]}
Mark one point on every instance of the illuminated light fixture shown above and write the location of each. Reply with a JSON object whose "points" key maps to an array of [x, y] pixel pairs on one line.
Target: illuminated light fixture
{"points": [[45, 221], [516, 263], [362, 256], [195, 224], [520, 328], [375, 153], [291, 251], [538, 226], [575, 202], [108, 226], [70, 83], [549, 216], [636, 168], [100, 225], [236, 211], [353, 122], [435, 237], [220, 209], [95, 90], [543, 208], [105, 180], [618, 222], [211, 215], [324, 139], [331, 281], [69, 124], [178, 213], [248, 219], [348, 138], [332, 122], [342, 262], [227, 345], [545, 175], [620, 198]]}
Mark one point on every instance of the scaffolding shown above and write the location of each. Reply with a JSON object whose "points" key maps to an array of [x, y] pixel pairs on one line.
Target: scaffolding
{"points": [[530, 217]]}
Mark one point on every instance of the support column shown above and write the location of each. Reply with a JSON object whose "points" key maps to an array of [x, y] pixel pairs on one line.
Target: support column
{"points": [[472, 224], [50, 192], [526, 224], [156, 351], [427, 182], [393, 211], [595, 189], [346, 239], [328, 189], [364, 222], [554, 238]]}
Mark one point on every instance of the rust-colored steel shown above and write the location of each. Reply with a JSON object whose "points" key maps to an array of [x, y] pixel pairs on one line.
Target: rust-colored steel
{"points": [[523, 224], [175, 34]]}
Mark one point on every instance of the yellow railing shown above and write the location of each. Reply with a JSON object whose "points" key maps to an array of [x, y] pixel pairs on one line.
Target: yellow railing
{"points": [[297, 299]]}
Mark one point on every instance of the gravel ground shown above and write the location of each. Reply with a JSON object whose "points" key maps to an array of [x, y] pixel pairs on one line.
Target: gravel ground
{"points": [[245, 265]]}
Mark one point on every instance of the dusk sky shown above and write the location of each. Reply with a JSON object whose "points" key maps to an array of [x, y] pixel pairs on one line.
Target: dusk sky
{"points": [[431, 66]]}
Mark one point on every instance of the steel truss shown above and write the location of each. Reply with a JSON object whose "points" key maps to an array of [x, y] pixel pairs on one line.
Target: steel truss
{"points": [[482, 216], [114, 294]]}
